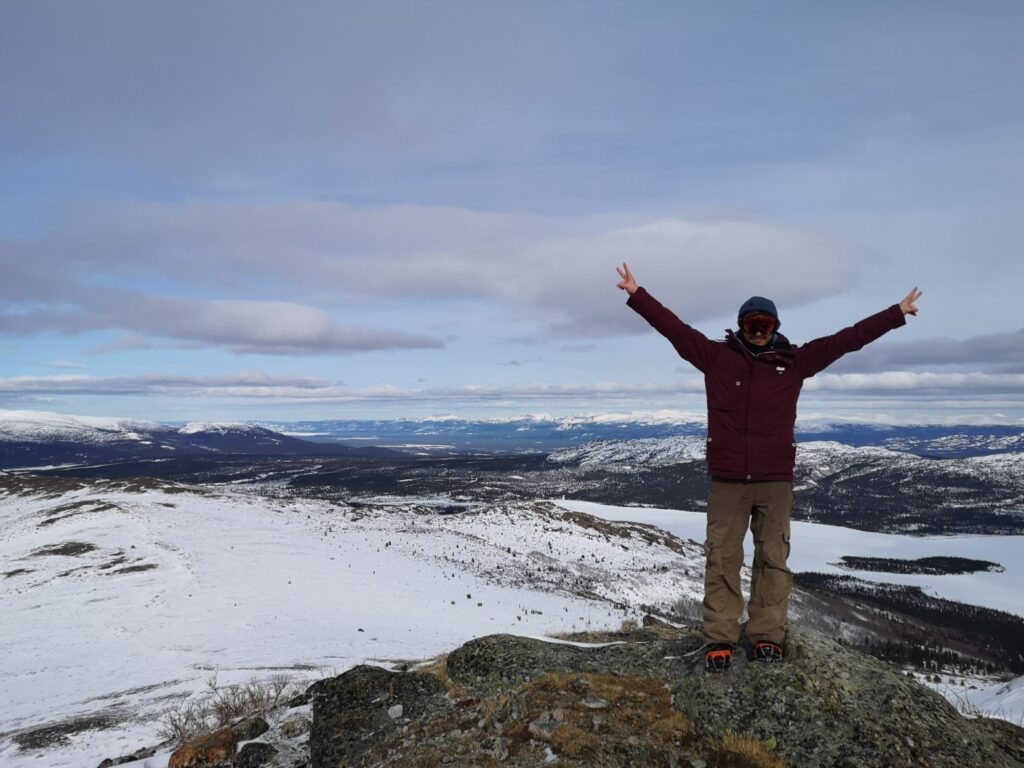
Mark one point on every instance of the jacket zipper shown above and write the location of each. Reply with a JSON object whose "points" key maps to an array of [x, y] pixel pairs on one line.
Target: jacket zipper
{"points": [[746, 421], [751, 363]]}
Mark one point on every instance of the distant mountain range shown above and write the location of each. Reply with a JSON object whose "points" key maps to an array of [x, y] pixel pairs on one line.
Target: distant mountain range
{"points": [[36, 438], [543, 434]]}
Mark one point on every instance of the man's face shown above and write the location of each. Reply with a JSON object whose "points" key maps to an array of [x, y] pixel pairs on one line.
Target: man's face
{"points": [[758, 328]]}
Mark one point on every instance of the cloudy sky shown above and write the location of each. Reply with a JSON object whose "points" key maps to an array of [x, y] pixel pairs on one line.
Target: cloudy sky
{"points": [[285, 210]]}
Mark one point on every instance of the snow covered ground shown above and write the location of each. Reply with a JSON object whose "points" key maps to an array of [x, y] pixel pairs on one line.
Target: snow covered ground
{"points": [[1005, 700], [817, 547], [118, 604]]}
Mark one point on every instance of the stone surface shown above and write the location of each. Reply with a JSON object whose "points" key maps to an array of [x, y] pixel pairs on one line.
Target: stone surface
{"points": [[294, 726], [828, 705], [250, 728], [133, 757], [350, 712], [254, 755], [649, 701], [500, 662], [644, 700], [207, 750]]}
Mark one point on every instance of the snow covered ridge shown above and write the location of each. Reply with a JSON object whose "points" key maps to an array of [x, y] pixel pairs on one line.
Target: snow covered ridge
{"points": [[641, 452], [198, 427], [672, 450], [43, 426], [816, 457]]}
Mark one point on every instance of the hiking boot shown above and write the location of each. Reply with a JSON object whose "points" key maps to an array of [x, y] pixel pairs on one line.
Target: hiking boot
{"points": [[768, 652], [718, 657]]}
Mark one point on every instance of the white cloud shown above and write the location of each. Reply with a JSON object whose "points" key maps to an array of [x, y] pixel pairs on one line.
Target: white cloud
{"points": [[244, 327], [279, 269]]}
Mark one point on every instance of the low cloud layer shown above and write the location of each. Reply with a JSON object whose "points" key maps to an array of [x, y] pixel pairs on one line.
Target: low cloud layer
{"points": [[995, 352], [286, 276], [261, 386], [240, 326]]}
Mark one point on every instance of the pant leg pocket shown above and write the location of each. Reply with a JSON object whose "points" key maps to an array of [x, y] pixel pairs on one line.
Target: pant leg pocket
{"points": [[775, 580]]}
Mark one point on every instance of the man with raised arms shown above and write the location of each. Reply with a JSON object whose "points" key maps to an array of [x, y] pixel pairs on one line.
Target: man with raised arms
{"points": [[753, 379]]}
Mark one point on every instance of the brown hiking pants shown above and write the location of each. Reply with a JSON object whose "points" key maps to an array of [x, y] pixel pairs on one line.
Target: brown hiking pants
{"points": [[766, 508]]}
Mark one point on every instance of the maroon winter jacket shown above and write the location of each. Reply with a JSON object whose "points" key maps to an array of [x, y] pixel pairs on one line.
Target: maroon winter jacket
{"points": [[752, 398]]}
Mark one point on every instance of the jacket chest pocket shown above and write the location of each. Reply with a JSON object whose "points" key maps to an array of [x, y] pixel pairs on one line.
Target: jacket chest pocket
{"points": [[727, 389]]}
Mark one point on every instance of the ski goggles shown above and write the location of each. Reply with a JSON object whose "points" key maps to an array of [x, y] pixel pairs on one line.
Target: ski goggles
{"points": [[758, 323]]}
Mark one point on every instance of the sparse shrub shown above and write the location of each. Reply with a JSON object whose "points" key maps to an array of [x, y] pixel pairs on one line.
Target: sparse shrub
{"points": [[629, 625], [689, 610], [185, 722], [223, 705]]}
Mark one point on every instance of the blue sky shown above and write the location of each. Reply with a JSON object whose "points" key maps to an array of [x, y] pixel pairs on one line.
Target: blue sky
{"points": [[269, 210]]}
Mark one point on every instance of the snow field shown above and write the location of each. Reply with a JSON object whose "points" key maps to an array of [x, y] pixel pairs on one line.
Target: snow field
{"points": [[245, 586]]}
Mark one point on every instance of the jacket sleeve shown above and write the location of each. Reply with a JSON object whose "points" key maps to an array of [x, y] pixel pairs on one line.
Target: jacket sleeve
{"points": [[815, 356], [692, 345]]}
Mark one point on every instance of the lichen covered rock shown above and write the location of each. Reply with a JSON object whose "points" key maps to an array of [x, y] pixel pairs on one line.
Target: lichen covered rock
{"points": [[828, 705], [350, 712], [643, 698]]}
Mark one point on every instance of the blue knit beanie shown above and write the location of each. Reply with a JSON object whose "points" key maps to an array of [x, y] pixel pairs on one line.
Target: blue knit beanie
{"points": [[758, 304]]}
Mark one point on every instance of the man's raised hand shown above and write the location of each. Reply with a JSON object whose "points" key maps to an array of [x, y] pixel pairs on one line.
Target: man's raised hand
{"points": [[909, 304], [628, 282]]}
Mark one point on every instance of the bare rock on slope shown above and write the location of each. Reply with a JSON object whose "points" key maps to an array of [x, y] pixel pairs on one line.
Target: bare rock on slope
{"points": [[646, 699]]}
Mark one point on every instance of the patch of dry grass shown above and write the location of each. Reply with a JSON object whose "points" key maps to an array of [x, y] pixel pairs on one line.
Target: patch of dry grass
{"points": [[742, 752]]}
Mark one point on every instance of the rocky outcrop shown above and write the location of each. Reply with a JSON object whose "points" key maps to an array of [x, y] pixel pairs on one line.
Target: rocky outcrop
{"points": [[633, 698], [644, 699], [363, 707]]}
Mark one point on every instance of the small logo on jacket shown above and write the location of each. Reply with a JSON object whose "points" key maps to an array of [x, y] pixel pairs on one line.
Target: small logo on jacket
{"points": [[780, 369]]}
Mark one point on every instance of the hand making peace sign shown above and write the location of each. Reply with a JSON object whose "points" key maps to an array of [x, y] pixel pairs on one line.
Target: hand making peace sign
{"points": [[628, 282], [909, 305]]}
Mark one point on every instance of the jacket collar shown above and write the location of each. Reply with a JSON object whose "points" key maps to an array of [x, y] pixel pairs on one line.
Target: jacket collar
{"points": [[780, 351]]}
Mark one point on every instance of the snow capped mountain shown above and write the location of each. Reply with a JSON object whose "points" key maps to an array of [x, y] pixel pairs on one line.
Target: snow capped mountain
{"points": [[42, 426], [237, 427], [644, 452]]}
